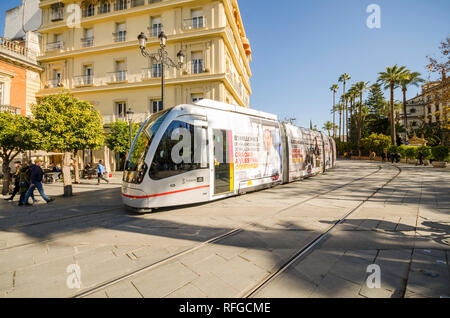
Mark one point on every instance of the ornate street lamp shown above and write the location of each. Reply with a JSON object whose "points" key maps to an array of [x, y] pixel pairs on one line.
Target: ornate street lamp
{"points": [[161, 57]]}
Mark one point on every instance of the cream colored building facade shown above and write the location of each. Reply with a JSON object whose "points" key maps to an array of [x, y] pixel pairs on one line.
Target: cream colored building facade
{"points": [[91, 48], [100, 60]]}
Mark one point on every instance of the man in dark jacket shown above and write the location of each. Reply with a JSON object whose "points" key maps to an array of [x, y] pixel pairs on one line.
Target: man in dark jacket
{"points": [[36, 182], [24, 183]]}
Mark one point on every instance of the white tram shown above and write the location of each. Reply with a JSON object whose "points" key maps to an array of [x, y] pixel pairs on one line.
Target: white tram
{"points": [[210, 150]]}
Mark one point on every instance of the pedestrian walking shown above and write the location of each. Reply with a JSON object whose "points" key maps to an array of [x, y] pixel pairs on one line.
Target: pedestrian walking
{"points": [[36, 182], [383, 157], [24, 183], [16, 181], [100, 172], [420, 158]]}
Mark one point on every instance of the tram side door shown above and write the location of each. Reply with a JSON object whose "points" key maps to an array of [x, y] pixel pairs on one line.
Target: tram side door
{"points": [[223, 162]]}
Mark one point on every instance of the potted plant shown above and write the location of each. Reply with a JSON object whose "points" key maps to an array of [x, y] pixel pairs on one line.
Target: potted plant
{"points": [[440, 153]]}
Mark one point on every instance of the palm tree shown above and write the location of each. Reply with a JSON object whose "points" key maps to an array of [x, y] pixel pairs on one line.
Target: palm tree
{"points": [[334, 88], [351, 96], [328, 126], [391, 79], [339, 108], [344, 78], [410, 78], [360, 87]]}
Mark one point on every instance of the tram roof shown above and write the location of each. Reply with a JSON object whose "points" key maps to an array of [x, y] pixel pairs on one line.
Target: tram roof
{"points": [[235, 109]]}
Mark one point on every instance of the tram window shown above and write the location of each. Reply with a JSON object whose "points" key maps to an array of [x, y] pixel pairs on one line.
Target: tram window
{"points": [[176, 154], [136, 168]]}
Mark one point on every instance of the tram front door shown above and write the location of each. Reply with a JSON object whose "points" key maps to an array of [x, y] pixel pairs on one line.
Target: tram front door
{"points": [[223, 162]]}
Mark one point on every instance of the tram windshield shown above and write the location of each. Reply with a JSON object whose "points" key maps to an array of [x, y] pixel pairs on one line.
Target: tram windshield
{"points": [[135, 167]]}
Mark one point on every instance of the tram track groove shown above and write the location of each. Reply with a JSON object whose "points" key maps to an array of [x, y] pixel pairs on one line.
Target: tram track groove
{"points": [[311, 245], [215, 239]]}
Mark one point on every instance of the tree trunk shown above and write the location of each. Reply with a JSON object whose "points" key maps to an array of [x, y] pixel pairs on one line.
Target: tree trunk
{"points": [[360, 118], [76, 169], [340, 125], [106, 157], [334, 114], [6, 176], [404, 112], [393, 134], [66, 174]]}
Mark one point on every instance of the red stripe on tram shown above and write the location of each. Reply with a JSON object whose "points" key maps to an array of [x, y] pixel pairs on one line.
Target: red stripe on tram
{"points": [[163, 194]]}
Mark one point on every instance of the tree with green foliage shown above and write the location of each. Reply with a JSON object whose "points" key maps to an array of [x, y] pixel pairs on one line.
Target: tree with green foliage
{"points": [[391, 78], [67, 124], [118, 138], [412, 152], [334, 88], [17, 134], [344, 78], [375, 142], [375, 100], [328, 126], [440, 153]]}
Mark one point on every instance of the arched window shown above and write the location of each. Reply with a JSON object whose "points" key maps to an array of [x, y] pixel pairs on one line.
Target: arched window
{"points": [[104, 7]]}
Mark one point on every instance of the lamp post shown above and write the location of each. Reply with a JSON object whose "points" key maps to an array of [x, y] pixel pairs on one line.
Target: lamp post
{"points": [[161, 57], [130, 114]]}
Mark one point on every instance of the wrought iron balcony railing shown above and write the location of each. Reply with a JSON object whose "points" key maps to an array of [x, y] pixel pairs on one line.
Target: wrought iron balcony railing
{"points": [[149, 73], [87, 42], [120, 36], [54, 83], [55, 46], [118, 76], [84, 80], [194, 23]]}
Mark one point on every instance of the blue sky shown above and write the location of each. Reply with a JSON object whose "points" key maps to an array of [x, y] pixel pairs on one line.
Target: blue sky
{"points": [[301, 47]]}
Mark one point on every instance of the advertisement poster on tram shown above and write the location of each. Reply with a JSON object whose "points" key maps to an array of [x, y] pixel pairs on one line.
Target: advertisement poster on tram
{"points": [[257, 151]]}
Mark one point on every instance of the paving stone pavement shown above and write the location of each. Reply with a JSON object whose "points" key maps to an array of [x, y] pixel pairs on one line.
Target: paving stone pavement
{"points": [[403, 228]]}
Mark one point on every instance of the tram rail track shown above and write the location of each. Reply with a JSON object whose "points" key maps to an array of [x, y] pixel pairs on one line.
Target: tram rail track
{"points": [[232, 232], [311, 245]]}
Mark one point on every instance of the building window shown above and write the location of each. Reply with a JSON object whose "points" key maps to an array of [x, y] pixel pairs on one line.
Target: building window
{"points": [[413, 110], [121, 110], [104, 7], [156, 106], [88, 10], [156, 70], [136, 3], [88, 74], [196, 97], [197, 19], [88, 39], [156, 27], [197, 63], [121, 33], [120, 5], [121, 72], [414, 124], [57, 12]]}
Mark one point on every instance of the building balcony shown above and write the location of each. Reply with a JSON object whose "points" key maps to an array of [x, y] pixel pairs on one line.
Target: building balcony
{"points": [[118, 76], [194, 23], [120, 36], [84, 80], [54, 83], [10, 109], [87, 42], [136, 118], [54, 46], [150, 73], [15, 48]]}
